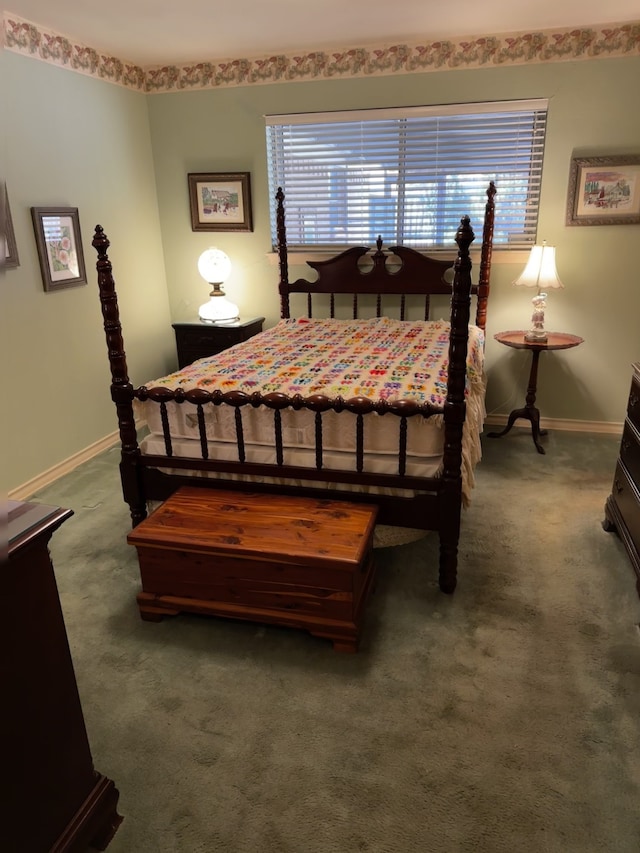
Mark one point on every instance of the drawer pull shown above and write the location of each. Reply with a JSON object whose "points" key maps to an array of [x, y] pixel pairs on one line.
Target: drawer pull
{"points": [[618, 486], [633, 400], [626, 444]]}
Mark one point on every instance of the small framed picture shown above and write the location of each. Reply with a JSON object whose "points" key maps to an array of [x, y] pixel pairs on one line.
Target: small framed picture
{"points": [[59, 243], [220, 201], [604, 191], [9, 249]]}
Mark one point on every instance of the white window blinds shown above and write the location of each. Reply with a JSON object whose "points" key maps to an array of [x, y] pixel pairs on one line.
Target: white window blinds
{"points": [[407, 174]]}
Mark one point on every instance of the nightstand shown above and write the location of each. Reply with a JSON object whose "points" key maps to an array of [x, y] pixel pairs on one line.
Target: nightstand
{"points": [[199, 340], [517, 340]]}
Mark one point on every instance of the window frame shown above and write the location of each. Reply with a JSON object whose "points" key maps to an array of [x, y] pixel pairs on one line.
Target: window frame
{"points": [[510, 206]]}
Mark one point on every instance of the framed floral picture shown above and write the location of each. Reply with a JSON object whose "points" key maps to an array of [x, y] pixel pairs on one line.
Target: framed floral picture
{"points": [[604, 191], [10, 250], [59, 243], [220, 201]]}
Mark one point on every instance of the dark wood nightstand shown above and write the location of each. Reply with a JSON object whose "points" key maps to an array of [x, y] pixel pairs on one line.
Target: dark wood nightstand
{"points": [[199, 340], [516, 340]]}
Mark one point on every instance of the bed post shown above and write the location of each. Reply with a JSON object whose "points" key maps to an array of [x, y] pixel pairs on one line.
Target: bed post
{"points": [[121, 388], [281, 233], [485, 258], [454, 411]]}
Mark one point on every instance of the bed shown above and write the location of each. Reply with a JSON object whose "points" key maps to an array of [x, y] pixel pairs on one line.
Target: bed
{"points": [[380, 406]]}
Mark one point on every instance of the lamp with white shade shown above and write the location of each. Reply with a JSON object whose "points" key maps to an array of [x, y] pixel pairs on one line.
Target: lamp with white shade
{"points": [[215, 267], [540, 272]]}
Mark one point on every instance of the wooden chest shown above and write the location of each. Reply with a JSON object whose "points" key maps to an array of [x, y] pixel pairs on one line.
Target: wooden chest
{"points": [[291, 561]]}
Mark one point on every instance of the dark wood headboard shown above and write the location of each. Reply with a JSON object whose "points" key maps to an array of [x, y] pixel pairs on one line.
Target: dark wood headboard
{"points": [[398, 271]]}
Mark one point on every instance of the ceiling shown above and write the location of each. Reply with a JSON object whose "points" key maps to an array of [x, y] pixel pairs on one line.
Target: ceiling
{"points": [[156, 32]]}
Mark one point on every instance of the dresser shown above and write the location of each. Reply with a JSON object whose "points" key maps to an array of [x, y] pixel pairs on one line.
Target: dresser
{"points": [[199, 340], [622, 510], [53, 799]]}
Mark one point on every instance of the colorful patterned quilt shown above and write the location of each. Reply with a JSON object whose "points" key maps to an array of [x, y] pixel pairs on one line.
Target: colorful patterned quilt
{"points": [[380, 358]]}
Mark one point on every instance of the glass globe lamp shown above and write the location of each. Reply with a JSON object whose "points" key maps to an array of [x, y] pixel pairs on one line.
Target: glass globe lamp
{"points": [[215, 267]]}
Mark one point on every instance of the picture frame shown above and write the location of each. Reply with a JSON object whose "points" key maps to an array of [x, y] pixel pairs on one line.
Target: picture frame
{"points": [[220, 201], [59, 243], [604, 190], [10, 249]]}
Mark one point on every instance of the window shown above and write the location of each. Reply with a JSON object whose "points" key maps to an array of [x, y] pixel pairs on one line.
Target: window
{"points": [[407, 174]]}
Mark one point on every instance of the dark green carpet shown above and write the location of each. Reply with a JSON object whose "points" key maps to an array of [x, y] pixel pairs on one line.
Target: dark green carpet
{"points": [[504, 718]]}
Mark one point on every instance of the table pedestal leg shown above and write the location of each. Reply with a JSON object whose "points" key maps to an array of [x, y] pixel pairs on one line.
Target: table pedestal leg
{"points": [[529, 411]]}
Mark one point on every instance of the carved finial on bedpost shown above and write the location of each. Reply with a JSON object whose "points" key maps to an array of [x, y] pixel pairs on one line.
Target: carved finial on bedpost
{"points": [[281, 234], [379, 258], [485, 257], [460, 310], [121, 388], [110, 312], [454, 409]]}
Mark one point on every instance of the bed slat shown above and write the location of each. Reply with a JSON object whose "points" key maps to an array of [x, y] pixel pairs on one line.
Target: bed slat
{"points": [[240, 435], [318, 424], [359, 444], [202, 430], [277, 428], [402, 447], [164, 417]]}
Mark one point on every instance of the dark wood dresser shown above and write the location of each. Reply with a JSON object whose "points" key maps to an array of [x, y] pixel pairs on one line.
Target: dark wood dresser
{"points": [[199, 340], [53, 799], [622, 510]]}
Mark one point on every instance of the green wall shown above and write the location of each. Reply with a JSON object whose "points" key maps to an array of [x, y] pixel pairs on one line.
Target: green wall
{"points": [[122, 158], [70, 140], [594, 109]]}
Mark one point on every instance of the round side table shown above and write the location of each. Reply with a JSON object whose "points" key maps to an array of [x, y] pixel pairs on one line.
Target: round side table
{"points": [[516, 340]]}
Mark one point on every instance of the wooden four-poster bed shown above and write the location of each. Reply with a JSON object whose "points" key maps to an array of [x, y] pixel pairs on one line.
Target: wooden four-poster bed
{"points": [[307, 421]]}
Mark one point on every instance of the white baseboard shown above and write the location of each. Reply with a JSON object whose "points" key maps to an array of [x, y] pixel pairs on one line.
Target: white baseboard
{"points": [[601, 427], [66, 466], [27, 489]]}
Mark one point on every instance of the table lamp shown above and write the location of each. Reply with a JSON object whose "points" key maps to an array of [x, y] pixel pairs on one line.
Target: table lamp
{"points": [[214, 266], [540, 272]]}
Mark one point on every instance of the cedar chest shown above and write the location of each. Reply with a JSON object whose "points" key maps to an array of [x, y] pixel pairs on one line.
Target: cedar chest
{"points": [[293, 561]]}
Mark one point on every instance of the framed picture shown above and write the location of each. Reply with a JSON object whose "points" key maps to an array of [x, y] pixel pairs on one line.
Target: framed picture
{"points": [[59, 243], [604, 191], [9, 249], [220, 201]]}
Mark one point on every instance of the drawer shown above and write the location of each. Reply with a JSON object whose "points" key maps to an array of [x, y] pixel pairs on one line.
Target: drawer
{"points": [[189, 354], [630, 451], [225, 338], [196, 339], [627, 499], [633, 409]]}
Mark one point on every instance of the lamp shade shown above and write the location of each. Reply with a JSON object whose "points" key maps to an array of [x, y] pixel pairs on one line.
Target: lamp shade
{"points": [[540, 270], [214, 265]]}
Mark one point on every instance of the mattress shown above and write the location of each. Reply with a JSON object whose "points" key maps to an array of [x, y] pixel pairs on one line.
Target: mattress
{"points": [[379, 358]]}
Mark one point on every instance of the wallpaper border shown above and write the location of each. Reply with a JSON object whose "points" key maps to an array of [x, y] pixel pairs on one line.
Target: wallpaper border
{"points": [[530, 48]]}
